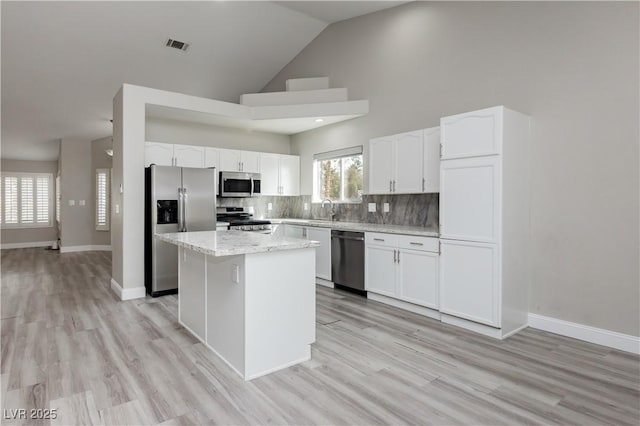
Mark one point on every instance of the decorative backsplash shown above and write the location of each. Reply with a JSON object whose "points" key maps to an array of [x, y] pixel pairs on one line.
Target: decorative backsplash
{"points": [[404, 209]]}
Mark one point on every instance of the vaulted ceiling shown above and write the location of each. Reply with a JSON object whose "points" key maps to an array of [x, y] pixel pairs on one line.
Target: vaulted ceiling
{"points": [[62, 62]]}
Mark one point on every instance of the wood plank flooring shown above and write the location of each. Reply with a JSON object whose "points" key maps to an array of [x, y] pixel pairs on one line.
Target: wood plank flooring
{"points": [[68, 344]]}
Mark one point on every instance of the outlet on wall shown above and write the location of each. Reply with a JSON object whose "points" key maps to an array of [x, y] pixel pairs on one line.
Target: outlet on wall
{"points": [[72, 202], [372, 207], [385, 207], [82, 202], [306, 206], [269, 206]]}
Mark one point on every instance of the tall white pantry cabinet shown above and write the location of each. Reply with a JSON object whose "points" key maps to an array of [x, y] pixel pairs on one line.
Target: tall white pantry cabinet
{"points": [[484, 221]]}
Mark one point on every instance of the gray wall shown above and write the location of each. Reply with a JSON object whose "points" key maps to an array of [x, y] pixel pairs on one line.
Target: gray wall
{"points": [[99, 160], [76, 222], [181, 132], [572, 66], [27, 235]]}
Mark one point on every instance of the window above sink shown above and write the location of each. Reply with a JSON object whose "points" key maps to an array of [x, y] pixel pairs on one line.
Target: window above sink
{"points": [[338, 176]]}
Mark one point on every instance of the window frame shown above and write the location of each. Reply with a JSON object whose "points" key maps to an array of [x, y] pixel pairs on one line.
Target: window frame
{"points": [[336, 155], [107, 224], [50, 202]]}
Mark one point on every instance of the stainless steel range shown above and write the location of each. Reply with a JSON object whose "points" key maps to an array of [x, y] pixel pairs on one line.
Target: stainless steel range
{"points": [[240, 219]]}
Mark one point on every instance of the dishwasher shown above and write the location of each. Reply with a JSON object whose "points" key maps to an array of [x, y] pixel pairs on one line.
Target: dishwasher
{"points": [[347, 259]]}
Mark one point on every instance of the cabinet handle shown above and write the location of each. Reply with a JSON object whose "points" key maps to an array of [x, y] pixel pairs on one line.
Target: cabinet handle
{"points": [[394, 186], [394, 256], [398, 256], [378, 239], [423, 183], [390, 186], [416, 244]]}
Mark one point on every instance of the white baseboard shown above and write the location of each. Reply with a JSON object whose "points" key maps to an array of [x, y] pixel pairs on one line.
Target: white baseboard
{"points": [[26, 245], [612, 339], [416, 309], [127, 293], [72, 249], [324, 283]]}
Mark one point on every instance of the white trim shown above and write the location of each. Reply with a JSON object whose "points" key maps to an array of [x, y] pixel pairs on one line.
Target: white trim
{"points": [[324, 283], [483, 329], [26, 245], [407, 306], [127, 293], [71, 249], [599, 336]]}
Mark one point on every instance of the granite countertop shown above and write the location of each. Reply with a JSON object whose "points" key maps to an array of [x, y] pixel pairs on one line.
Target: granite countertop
{"points": [[363, 227], [231, 243]]}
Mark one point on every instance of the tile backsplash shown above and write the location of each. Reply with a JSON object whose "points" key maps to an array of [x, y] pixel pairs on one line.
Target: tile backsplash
{"points": [[404, 209]]}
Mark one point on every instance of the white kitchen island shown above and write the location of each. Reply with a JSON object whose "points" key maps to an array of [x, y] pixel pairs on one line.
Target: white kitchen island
{"points": [[249, 297]]}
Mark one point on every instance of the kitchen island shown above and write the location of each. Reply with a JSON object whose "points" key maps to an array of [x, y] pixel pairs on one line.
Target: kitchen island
{"points": [[249, 297]]}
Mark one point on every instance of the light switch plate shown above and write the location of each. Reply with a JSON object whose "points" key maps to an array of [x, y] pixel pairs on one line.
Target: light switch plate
{"points": [[235, 274], [385, 207], [82, 202], [117, 208], [72, 202], [269, 206], [372, 207]]}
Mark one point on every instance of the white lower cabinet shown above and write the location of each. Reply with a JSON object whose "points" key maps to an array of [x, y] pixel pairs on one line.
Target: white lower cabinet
{"points": [[402, 267], [469, 281], [323, 253]]}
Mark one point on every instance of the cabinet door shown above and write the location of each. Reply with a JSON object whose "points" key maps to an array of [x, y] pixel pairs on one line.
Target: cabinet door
{"points": [[188, 155], [191, 286], [408, 163], [230, 160], [289, 175], [470, 199], [431, 159], [212, 159], [418, 277], [472, 134], [250, 161], [158, 153], [295, 231], [380, 270], [381, 165], [270, 174], [323, 253], [470, 281]]}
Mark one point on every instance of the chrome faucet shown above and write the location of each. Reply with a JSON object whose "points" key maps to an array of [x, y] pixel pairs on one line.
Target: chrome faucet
{"points": [[333, 211]]}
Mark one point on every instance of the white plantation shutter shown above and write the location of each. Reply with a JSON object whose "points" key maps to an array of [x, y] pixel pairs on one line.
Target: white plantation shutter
{"points": [[42, 199], [26, 200], [58, 198], [10, 201], [102, 199]]}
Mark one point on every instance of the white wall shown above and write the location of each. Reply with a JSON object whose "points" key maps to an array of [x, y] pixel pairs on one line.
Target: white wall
{"points": [[572, 66]]}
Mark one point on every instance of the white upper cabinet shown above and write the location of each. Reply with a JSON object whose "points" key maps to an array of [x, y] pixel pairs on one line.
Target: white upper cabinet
{"points": [[270, 174], [470, 199], [381, 154], [407, 163], [280, 174], [157, 153], [289, 175], [472, 134], [230, 160], [431, 159], [188, 156], [212, 158]]}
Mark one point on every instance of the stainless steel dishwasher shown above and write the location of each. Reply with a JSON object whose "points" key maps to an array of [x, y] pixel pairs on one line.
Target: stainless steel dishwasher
{"points": [[347, 259]]}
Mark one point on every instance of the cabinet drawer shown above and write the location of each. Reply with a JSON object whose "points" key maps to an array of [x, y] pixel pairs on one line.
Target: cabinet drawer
{"points": [[418, 243], [379, 239]]}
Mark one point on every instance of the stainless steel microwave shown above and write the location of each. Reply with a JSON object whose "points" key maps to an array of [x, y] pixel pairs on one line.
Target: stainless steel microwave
{"points": [[239, 184]]}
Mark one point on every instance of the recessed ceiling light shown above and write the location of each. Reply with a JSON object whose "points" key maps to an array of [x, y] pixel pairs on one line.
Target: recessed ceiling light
{"points": [[319, 120]]}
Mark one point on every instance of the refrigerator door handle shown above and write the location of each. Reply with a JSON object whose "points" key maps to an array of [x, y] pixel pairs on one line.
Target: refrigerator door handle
{"points": [[180, 209], [185, 201]]}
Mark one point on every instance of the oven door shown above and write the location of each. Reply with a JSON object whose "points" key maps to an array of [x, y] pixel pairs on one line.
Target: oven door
{"points": [[234, 184]]}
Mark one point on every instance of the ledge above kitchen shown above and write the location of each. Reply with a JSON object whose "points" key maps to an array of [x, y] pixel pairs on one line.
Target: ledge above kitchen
{"points": [[361, 226]]}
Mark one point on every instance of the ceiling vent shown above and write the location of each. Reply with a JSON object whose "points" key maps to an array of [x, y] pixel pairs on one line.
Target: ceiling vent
{"points": [[180, 45]]}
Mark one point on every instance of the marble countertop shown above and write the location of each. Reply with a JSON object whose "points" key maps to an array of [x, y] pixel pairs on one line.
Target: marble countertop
{"points": [[363, 227], [232, 243]]}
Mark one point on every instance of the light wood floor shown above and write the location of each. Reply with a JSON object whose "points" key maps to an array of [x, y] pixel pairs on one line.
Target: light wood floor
{"points": [[69, 344]]}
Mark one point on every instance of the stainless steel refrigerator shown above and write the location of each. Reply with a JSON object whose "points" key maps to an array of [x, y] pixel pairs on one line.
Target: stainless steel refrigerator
{"points": [[177, 199]]}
